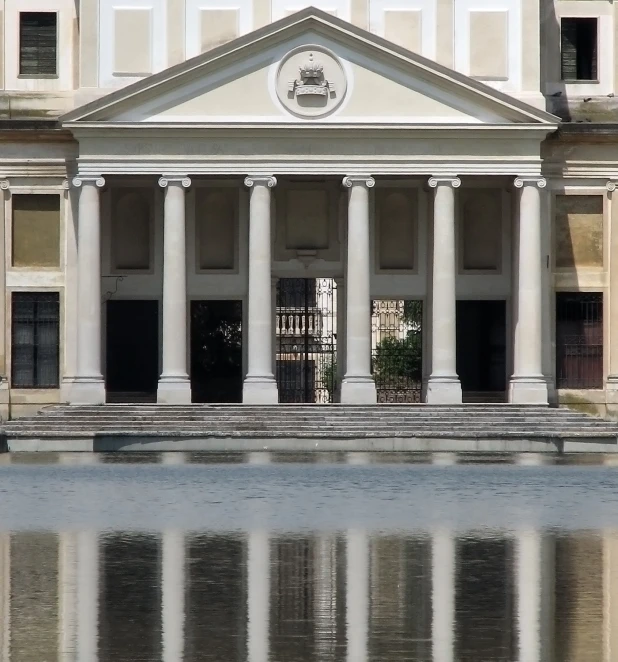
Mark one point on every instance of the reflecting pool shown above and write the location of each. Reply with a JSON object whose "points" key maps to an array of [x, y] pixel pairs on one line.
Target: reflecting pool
{"points": [[355, 557]]}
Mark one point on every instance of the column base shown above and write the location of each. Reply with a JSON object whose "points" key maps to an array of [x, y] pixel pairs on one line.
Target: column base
{"points": [[174, 391], [358, 391], [528, 391], [88, 391], [443, 391], [260, 391]]}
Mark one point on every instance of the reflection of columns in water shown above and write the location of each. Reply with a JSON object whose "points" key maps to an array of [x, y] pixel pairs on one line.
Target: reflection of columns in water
{"points": [[173, 595], [357, 595], [443, 554], [534, 584], [325, 605], [87, 587], [67, 596], [5, 595], [87, 595], [610, 594], [258, 596]]}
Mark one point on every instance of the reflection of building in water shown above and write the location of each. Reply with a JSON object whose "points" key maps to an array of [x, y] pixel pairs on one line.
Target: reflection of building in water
{"points": [[264, 596]]}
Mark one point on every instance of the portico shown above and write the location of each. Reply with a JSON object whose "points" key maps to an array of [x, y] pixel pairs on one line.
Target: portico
{"points": [[315, 181]]}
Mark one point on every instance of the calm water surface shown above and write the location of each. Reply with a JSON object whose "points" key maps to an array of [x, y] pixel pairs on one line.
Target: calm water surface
{"points": [[289, 558]]}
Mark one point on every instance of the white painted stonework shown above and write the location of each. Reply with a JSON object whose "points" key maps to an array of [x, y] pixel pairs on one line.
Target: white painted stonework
{"points": [[307, 131]]}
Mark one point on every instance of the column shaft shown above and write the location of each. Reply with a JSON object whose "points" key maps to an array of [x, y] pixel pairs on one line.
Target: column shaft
{"points": [[358, 386], [528, 385], [612, 377], [174, 386], [443, 386], [89, 387], [260, 386]]}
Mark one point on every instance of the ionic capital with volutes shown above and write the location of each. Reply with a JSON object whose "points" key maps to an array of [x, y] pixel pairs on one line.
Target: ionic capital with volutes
{"points": [[538, 182], [97, 180], [174, 180], [359, 180], [453, 181], [260, 180]]}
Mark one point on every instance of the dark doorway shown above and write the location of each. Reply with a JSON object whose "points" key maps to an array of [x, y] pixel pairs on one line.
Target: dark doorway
{"points": [[481, 349], [306, 340], [216, 351], [132, 350]]}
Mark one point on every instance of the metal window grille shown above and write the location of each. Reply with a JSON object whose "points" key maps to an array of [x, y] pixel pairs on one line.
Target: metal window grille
{"points": [[579, 340], [35, 340], [578, 48], [306, 340], [396, 332], [38, 39]]}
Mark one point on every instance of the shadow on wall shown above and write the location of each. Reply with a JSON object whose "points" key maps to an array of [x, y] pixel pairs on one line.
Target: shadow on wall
{"points": [[557, 101]]}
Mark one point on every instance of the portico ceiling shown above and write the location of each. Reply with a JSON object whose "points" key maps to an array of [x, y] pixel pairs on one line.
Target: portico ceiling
{"points": [[309, 93]]}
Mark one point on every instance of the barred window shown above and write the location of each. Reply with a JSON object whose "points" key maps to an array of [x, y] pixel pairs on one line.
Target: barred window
{"points": [[579, 340], [38, 39], [35, 340], [578, 48]]}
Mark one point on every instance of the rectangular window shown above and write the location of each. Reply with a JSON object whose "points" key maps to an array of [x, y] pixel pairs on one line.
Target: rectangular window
{"points": [[579, 340], [36, 230], [578, 48], [35, 340], [38, 39]]}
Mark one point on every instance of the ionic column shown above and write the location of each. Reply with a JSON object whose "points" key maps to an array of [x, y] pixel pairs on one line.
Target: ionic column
{"points": [[612, 348], [174, 386], [528, 385], [260, 386], [358, 386], [89, 387], [443, 386]]}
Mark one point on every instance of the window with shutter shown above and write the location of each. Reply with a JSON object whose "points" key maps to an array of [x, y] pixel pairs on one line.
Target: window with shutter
{"points": [[35, 340], [578, 48], [38, 38]]}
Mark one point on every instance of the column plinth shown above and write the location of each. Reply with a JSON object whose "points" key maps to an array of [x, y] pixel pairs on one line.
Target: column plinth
{"points": [[528, 384], [443, 385], [260, 386], [174, 385], [358, 386], [88, 386]]}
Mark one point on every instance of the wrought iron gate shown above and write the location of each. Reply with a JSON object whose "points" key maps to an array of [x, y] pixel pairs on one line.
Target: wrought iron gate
{"points": [[397, 348], [306, 340]]}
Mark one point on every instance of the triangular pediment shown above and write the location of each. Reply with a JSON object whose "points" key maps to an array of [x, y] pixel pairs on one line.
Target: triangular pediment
{"points": [[308, 67]]}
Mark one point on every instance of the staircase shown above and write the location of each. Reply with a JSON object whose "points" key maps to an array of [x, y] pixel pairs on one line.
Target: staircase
{"points": [[488, 427]]}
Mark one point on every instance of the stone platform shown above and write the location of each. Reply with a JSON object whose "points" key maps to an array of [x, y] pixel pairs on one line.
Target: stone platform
{"points": [[487, 428]]}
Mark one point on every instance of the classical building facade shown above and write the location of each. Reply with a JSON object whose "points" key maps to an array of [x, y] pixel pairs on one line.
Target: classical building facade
{"points": [[259, 201]]}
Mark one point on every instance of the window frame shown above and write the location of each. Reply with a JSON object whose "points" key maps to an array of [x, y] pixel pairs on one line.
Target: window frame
{"points": [[596, 65], [35, 385], [39, 75]]}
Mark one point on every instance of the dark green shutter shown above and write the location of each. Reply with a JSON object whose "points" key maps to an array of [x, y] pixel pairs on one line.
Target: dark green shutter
{"points": [[38, 38], [568, 49]]}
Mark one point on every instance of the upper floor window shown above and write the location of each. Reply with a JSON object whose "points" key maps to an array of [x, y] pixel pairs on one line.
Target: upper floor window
{"points": [[578, 52], [38, 39]]}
